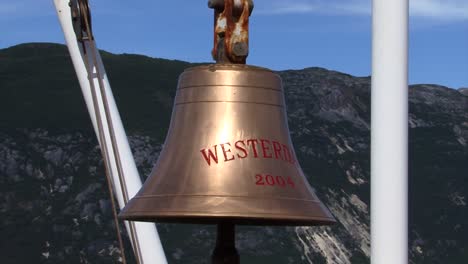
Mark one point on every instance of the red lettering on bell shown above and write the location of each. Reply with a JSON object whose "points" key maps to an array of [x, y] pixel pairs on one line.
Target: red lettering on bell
{"points": [[287, 154], [227, 151], [277, 149], [265, 147], [210, 155], [278, 181], [254, 147], [242, 149]]}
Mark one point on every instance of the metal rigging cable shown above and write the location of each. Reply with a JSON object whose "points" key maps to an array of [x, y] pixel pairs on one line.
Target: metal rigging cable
{"points": [[81, 18]]}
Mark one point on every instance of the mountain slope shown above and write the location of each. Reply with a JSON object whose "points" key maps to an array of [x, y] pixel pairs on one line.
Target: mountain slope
{"points": [[39, 88]]}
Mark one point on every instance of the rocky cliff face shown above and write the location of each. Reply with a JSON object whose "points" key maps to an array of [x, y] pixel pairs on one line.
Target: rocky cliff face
{"points": [[55, 206]]}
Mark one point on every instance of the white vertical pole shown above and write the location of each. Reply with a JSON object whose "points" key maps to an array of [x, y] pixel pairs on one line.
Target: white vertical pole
{"points": [[147, 238], [389, 132]]}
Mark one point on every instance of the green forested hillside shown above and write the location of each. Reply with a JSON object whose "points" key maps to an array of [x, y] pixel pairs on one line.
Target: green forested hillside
{"points": [[39, 88]]}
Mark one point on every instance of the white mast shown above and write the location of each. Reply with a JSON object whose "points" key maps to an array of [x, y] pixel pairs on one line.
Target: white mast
{"points": [[389, 132], [146, 243]]}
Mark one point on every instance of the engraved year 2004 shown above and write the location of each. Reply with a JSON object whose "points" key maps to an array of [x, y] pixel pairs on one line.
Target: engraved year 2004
{"points": [[270, 180]]}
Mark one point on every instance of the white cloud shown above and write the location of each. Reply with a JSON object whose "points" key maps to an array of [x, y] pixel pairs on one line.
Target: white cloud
{"points": [[285, 7], [444, 10], [270, 7], [289, 8], [440, 9]]}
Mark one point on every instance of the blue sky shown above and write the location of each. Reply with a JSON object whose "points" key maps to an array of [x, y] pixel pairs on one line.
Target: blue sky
{"points": [[284, 34]]}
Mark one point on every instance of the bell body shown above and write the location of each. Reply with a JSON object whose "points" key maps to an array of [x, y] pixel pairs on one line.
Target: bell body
{"points": [[228, 156]]}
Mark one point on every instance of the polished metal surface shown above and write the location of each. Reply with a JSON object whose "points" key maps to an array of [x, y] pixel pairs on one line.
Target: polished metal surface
{"points": [[228, 156]]}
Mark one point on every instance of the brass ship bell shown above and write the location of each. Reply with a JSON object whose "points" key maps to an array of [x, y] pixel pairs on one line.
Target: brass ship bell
{"points": [[228, 157]]}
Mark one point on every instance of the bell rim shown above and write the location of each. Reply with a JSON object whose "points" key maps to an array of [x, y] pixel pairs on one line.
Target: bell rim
{"points": [[257, 219], [264, 210]]}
